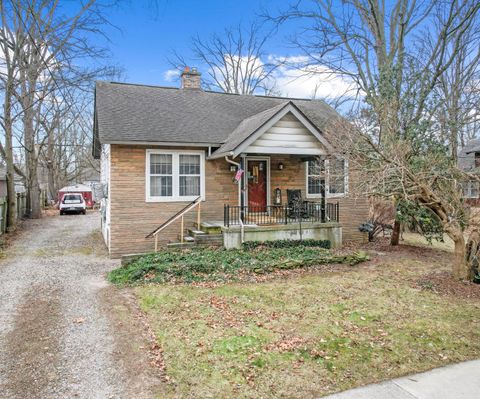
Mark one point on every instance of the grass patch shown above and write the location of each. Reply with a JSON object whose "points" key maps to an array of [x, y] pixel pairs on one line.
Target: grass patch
{"points": [[309, 335], [207, 264], [418, 240], [84, 250]]}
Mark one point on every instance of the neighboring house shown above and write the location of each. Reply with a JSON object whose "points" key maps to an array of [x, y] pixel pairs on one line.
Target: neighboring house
{"points": [[19, 184], [163, 148], [90, 176], [469, 161]]}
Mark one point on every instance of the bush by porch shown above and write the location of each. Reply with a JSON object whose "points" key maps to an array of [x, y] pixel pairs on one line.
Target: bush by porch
{"points": [[215, 264]]}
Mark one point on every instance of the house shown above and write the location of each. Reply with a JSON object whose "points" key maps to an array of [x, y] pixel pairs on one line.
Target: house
{"points": [[185, 165], [469, 161], [18, 180]]}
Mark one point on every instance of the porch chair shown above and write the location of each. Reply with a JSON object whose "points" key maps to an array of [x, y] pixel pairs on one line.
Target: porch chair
{"points": [[296, 204]]}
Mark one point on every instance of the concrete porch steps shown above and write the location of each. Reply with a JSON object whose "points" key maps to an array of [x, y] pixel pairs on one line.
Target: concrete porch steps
{"points": [[184, 244], [209, 239], [210, 227], [209, 234]]}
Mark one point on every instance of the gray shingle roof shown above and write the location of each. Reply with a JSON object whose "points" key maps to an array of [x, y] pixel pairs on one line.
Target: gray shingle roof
{"points": [[136, 113], [3, 174], [466, 156], [248, 126]]}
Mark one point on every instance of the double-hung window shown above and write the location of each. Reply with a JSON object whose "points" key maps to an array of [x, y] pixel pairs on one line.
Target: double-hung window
{"points": [[161, 175], [470, 189], [332, 174], [337, 177], [316, 174], [174, 175]]}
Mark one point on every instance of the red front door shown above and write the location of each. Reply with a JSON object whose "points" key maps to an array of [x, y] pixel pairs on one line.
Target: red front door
{"points": [[257, 185]]}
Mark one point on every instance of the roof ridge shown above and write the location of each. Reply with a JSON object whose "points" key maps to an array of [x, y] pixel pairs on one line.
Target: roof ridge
{"points": [[209, 91]]}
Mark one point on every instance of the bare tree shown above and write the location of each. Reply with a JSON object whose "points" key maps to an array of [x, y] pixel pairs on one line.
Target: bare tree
{"points": [[11, 43], [236, 60], [388, 50], [46, 45], [67, 154], [458, 111]]}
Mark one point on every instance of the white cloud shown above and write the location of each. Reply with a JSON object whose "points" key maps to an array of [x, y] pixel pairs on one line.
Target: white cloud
{"points": [[290, 81], [253, 67], [311, 81], [171, 75]]}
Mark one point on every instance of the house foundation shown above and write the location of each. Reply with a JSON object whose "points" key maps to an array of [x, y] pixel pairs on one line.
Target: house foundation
{"points": [[232, 236]]}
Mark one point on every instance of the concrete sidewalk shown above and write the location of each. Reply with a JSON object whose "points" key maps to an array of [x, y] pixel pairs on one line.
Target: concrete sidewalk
{"points": [[458, 381]]}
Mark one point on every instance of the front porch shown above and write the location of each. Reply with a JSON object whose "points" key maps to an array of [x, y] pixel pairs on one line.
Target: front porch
{"points": [[299, 211], [232, 236], [296, 220], [300, 221]]}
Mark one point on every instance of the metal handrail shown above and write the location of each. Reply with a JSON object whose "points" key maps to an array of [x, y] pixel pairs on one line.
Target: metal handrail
{"points": [[178, 215], [282, 214]]}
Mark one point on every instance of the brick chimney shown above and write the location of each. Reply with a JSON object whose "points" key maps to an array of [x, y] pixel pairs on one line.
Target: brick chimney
{"points": [[191, 78]]}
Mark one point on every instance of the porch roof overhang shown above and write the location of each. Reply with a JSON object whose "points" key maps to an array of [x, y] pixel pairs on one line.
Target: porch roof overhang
{"points": [[251, 129]]}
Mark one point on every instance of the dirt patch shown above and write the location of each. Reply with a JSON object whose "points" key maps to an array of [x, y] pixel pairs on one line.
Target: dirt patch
{"points": [[136, 348], [444, 284], [64, 332], [33, 346]]}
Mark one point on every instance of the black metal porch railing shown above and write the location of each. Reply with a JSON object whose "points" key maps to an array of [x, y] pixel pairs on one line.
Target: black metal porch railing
{"points": [[281, 214]]}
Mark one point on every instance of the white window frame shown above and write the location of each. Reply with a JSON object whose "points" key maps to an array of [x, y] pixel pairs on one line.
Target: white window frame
{"points": [[306, 182], [175, 176], [469, 188], [327, 182], [345, 180]]}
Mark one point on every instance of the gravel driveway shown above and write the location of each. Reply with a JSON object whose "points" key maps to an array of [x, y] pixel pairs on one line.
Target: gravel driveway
{"points": [[60, 332]]}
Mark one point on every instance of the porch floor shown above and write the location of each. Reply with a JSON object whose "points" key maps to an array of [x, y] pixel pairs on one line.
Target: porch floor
{"points": [[220, 223]]}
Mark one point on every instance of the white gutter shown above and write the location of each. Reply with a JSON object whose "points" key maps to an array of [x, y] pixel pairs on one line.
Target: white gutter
{"points": [[230, 161], [163, 143]]}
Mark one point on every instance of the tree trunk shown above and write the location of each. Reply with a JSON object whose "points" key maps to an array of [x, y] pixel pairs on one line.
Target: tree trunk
{"points": [[471, 257], [395, 239], [461, 267], [50, 166], [10, 170], [31, 161], [29, 81]]}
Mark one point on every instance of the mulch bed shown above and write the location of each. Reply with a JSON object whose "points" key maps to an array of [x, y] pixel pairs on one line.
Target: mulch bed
{"points": [[444, 284], [440, 282]]}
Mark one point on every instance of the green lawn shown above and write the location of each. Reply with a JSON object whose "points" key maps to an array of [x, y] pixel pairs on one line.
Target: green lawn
{"points": [[309, 334]]}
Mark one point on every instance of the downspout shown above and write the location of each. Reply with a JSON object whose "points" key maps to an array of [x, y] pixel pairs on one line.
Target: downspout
{"points": [[230, 161], [242, 230]]}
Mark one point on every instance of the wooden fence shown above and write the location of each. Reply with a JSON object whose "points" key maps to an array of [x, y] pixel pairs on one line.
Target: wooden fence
{"points": [[21, 210]]}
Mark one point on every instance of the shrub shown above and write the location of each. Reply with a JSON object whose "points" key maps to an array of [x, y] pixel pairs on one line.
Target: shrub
{"points": [[207, 264]]}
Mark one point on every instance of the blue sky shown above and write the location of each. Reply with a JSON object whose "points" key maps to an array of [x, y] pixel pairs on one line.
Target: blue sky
{"points": [[144, 36], [148, 36]]}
